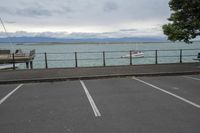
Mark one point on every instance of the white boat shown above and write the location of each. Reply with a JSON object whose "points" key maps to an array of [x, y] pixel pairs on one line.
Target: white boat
{"points": [[134, 54], [8, 66]]}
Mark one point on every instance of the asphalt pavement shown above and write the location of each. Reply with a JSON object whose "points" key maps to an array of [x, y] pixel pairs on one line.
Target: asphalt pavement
{"points": [[168, 104]]}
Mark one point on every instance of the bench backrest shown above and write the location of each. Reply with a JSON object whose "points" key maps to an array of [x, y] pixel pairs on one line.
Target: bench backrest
{"points": [[2, 52]]}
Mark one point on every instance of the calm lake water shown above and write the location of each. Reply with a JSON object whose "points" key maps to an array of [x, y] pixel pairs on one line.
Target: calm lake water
{"points": [[62, 55]]}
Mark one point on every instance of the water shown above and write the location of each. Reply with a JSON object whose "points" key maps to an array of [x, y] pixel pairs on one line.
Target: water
{"points": [[62, 55]]}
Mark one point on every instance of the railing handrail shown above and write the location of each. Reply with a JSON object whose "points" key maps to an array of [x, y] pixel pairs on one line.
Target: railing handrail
{"points": [[108, 51]]}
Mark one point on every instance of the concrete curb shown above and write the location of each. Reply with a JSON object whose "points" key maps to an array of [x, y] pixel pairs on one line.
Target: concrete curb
{"points": [[53, 79]]}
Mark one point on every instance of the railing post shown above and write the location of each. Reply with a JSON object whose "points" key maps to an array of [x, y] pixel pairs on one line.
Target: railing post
{"points": [[27, 65], [31, 64], [180, 55], [76, 61], [46, 63], [104, 59], [156, 56], [131, 63], [13, 60]]}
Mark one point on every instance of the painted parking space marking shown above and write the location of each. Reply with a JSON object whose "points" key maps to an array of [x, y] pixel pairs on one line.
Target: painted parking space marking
{"points": [[191, 78], [9, 94], [167, 92], [175, 88], [92, 103]]}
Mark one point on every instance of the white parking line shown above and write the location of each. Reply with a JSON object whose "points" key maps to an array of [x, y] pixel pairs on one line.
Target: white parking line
{"points": [[191, 78], [174, 95], [9, 94], [94, 107], [175, 88]]}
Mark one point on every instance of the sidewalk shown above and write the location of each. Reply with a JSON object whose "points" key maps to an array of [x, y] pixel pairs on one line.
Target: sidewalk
{"points": [[42, 75]]}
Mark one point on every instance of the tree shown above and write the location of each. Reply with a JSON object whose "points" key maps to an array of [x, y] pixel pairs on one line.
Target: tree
{"points": [[185, 20]]}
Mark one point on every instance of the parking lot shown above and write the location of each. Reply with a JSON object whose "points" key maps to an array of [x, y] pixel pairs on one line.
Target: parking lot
{"points": [[163, 104]]}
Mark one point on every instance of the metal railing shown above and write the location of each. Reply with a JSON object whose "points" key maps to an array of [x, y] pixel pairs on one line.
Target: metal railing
{"points": [[110, 58]]}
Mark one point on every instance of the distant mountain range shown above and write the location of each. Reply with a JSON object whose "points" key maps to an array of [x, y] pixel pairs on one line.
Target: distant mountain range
{"points": [[82, 40]]}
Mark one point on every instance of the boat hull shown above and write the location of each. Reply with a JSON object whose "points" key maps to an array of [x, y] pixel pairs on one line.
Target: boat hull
{"points": [[141, 55]]}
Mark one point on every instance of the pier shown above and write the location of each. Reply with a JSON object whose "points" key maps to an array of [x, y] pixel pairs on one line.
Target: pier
{"points": [[6, 57]]}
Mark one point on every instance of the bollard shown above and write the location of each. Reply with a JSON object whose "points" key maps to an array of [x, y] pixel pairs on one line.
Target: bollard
{"points": [[13, 60], [156, 56], [46, 63], [104, 59], [76, 61], [131, 63], [180, 55]]}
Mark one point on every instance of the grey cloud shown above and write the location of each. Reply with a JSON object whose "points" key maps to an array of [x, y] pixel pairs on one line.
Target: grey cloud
{"points": [[10, 22], [5, 10], [110, 6], [33, 12], [127, 30], [66, 9], [27, 11], [91, 12]]}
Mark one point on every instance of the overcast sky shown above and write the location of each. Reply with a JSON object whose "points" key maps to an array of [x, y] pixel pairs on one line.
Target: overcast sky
{"points": [[84, 18]]}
